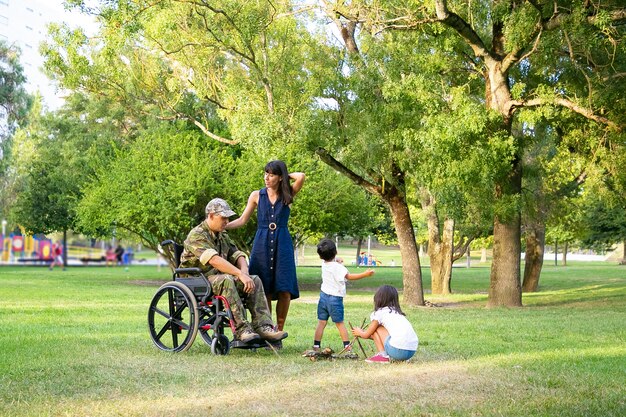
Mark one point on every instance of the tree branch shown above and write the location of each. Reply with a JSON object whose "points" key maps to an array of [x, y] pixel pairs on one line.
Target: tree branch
{"points": [[455, 22], [461, 248], [583, 111], [354, 177]]}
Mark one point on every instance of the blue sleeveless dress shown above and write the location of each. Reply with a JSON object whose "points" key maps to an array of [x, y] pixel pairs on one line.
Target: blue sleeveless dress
{"points": [[272, 257]]}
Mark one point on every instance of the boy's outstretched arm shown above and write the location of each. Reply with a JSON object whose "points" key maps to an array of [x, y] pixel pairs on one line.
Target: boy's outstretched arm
{"points": [[354, 277]]}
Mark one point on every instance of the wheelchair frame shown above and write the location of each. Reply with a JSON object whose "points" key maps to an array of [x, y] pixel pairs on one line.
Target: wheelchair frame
{"points": [[182, 307]]}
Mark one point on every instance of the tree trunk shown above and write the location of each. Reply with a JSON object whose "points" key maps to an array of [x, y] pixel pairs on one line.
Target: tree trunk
{"points": [[395, 198], [358, 251], [411, 270], [564, 255], [440, 247], [556, 252], [623, 253], [440, 255], [505, 287], [64, 248], [535, 248]]}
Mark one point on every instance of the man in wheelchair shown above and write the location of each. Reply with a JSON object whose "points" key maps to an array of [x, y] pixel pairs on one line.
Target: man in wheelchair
{"points": [[209, 248]]}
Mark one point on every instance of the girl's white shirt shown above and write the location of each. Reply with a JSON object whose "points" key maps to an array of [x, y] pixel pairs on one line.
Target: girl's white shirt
{"points": [[400, 329], [334, 278]]}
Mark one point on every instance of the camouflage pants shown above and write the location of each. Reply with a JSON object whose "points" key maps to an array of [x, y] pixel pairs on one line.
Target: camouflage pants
{"points": [[255, 302]]}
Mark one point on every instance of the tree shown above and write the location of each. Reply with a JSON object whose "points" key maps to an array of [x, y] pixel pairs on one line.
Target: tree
{"points": [[233, 56], [606, 225], [14, 105], [157, 186], [512, 46], [347, 103], [14, 100], [52, 160]]}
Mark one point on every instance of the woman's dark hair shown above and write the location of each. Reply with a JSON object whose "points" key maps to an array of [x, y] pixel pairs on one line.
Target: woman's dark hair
{"points": [[327, 250], [285, 192], [387, 296]]}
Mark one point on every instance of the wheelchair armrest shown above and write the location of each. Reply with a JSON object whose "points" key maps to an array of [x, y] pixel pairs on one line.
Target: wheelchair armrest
{"points": [[188, 271], [167, 242]]}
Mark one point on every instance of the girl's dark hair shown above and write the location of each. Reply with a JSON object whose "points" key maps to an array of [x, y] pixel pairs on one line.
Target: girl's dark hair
{"points": [[387, 296], [285, 192], [327, 250]]}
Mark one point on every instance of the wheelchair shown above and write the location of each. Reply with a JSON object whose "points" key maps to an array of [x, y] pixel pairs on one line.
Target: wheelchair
{"points": [[185, 306]]}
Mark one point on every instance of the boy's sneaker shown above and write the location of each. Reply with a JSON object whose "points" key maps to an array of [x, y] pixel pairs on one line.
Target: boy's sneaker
{"points": [[268, 332], [378, 358]]}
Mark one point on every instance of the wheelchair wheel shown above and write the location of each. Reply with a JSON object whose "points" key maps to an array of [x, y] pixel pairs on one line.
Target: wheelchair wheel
{"points": [[173, 317], [220, 345]]}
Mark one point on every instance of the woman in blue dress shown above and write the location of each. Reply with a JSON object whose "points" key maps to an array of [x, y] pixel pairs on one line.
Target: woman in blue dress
{"points": [[272, 255]]}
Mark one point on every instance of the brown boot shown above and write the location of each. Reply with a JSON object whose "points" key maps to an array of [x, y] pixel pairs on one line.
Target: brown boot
{"points": [[268, 332], [247, 335]]}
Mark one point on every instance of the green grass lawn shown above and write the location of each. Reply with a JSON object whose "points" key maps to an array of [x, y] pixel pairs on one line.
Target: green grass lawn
{"points": [[75, 343]]}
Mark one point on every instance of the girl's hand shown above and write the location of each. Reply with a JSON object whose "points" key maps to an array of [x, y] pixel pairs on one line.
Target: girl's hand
{"points": [[357, 331], [369, 272]]}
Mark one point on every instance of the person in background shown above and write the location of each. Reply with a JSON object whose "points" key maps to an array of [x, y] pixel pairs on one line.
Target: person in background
{"points": [[57, 255], [119, 253]]}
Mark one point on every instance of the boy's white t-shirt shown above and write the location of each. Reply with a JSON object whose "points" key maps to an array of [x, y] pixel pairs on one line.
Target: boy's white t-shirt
{"points": [[402, 334], [334, 278]]}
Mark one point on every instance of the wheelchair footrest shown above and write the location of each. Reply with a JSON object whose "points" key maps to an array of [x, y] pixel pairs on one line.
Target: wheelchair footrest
{"points": [[255, 344]]}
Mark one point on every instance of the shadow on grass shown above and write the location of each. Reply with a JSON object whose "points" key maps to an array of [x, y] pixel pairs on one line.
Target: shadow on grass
{"points": [[591, 296]]}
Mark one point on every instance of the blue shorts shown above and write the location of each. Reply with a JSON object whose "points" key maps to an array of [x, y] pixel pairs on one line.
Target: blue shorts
{"points": [[330, 306], [397, 354]]}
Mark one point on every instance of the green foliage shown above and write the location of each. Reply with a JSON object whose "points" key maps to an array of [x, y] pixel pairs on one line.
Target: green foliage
{"points": [[407, 111], [54, 159], [605, 225], [14, 101], [157, 186], [14, 105]]}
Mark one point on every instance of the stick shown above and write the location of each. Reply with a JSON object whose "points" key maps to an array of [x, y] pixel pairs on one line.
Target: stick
{"points": [[272, 348], [357, 339], [347, 346]]}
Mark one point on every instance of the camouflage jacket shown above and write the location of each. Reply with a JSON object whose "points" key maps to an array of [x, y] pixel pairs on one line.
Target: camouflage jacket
{"points": [[202, 244]]}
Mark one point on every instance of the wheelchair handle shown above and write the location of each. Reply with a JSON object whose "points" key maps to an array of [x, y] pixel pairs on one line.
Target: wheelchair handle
{"points": [[167, 242]]}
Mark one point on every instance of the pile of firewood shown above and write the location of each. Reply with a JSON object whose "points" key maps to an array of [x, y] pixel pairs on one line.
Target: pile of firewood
{"points": [[329, 354]]}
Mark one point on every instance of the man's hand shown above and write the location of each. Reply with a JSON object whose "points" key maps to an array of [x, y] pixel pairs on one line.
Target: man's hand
{"points": [[248, 283]]}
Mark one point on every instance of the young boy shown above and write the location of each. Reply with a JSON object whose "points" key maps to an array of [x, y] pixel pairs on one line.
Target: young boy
{"points": [[334, 276]]}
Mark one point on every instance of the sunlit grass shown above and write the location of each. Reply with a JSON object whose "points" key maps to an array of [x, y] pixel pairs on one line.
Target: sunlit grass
{"points": [[75, 343]]}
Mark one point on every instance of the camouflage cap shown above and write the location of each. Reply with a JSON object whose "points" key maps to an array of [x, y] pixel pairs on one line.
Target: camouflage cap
{"points": [[219, 206]]}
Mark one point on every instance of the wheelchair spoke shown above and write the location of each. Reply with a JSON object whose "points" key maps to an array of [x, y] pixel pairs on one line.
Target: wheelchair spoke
{"points": [[161, 312]]}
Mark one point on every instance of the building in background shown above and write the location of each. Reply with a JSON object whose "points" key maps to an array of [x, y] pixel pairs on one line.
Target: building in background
{"points": [[24, 23]]}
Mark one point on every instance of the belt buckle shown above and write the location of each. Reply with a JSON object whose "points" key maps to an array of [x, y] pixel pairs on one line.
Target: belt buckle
{"points": [[272, 226]]}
